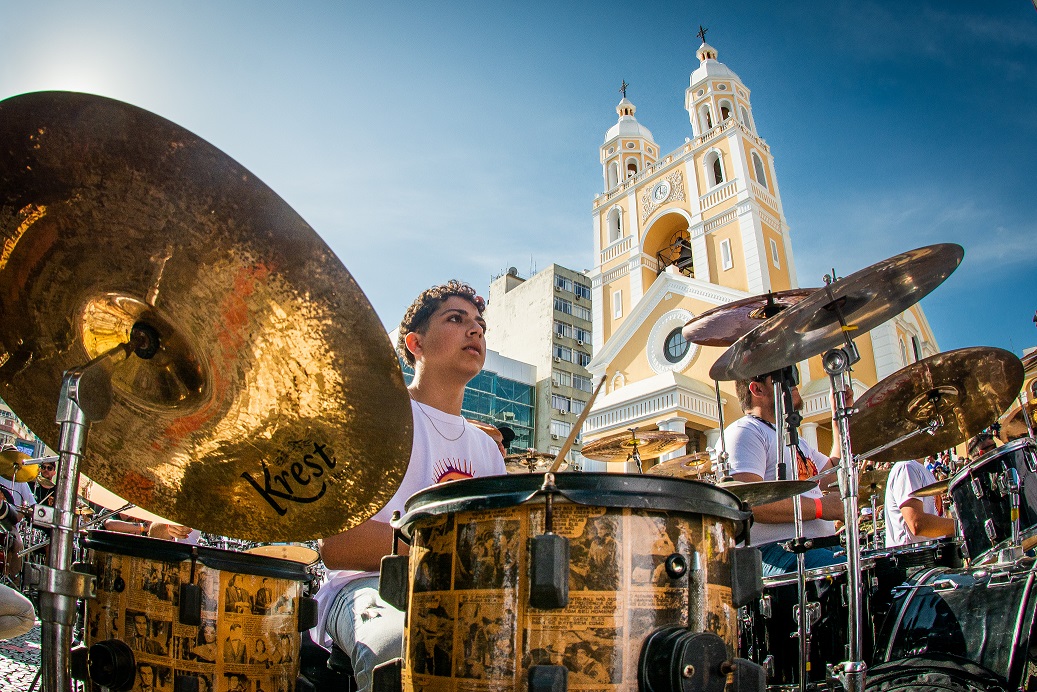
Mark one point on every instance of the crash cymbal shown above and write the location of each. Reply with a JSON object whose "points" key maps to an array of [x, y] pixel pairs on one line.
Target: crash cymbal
{"points": [[764, 492], [686, 466], [868, 483], [865, 300], [274, 409], [967, 389], [12, 468], [726, 324], [649, 443], [531, 461], [933, 489]]}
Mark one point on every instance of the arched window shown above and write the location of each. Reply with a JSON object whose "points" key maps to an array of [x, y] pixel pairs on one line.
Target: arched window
{"points": [[613, 175], [725, 110], [761, 174], [714, 168], [615, 225], [631, 167], [705, 118], [744, 117]]}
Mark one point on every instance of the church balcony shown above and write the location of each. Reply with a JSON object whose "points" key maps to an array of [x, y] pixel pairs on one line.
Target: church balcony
{"points": [[761, 193], [718, 195], [671, 400], [616, 249]]}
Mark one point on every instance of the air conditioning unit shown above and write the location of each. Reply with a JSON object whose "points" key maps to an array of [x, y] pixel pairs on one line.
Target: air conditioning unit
{"points": [[580, 342], [509, 415], [554, 437], [557, 359], [558, 288], [577, 296]]}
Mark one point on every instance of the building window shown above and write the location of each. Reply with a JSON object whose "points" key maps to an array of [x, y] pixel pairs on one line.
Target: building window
{"points": [[577, 406], [560, 378], [582, 383], [563, 330], [761, 174], [614, 221], [563, 284], [726, 258], [714, 165], [676, 346], [705, 118], [631, 167], [582, 335], [581, 290], [725, 110], [744, 117], [581, 313], [561, 403], [613, 175], [582, 359], [774, 254], [564, 353], [560, 428], [903, 352], [563, 305], [916, 346], [617, 305]]}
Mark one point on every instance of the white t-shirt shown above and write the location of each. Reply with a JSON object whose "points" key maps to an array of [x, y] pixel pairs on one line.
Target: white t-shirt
{"points": [[23, 495], [445, 448], [752, 446], [904, 478]]}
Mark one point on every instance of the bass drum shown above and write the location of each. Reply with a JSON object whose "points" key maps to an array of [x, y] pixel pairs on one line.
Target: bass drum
{"points": [[470, 624], [976, 624], [250, 616]]}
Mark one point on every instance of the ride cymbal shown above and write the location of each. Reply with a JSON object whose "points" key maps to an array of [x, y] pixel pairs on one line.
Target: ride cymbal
{"points": [[966, 390], [726, 324], [686, 466], [864, 299], [756, 493], [274, 409], [531, 461], [933, 489], [620, 446], [13, 469]]}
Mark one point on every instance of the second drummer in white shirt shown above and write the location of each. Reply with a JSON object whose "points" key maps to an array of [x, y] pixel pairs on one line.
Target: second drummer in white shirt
{"points": [[911, 519]]}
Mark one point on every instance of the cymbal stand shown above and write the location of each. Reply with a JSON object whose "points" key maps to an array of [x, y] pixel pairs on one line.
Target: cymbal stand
{"points": [[837, 363], [1023, 399], [635, 456], [85, 398], [723, 472], [786, 430]]}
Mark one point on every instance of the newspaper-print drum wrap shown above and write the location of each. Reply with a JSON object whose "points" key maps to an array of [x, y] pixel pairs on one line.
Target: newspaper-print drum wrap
{"points": [[248, 639], [470, 626]]}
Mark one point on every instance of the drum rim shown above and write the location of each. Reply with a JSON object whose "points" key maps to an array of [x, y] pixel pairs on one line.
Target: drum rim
{"points": [[581, 488], [213, 558], [1003, 450]]}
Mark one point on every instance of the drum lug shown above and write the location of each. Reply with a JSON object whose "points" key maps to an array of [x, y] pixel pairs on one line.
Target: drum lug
{"points": [[765, 607], [394, 581], [977, 487], [549, 571], [813, 615], [991, 531]]}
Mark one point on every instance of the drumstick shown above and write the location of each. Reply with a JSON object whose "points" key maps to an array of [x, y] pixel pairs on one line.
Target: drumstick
{"points": [[576, 428]]}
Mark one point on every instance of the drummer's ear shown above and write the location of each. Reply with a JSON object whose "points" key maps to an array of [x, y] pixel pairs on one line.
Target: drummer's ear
{"points": [[413, 343]]}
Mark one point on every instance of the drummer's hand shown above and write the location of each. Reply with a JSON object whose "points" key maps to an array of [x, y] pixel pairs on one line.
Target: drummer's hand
{"points": [[169, 531]]}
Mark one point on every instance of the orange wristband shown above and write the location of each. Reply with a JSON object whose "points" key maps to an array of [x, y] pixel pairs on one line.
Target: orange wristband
{"points": [[817, 508]]}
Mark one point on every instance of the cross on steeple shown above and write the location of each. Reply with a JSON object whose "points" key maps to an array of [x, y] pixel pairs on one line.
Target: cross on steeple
{"points": [[623, 88], [702, 33]]}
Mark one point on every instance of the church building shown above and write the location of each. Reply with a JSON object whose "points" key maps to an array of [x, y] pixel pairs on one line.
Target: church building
{"points": [[682, 232]]}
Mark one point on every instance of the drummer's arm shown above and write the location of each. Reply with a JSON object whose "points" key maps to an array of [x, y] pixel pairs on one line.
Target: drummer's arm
{"points": [[361, 547], [780, 512], [921, 524]]}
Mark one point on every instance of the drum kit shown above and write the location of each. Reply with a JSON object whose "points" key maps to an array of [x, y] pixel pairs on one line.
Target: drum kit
{"points": [[194, 351]]}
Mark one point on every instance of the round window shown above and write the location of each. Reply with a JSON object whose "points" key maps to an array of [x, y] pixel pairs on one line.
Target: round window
{"points": [[722, 87], [676, 346]]}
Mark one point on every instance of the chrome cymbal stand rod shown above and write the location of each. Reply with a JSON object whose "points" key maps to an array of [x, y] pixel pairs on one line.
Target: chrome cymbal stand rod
{"points": [[1023, 397], [85, 398], [723, 473], [837, 362]]}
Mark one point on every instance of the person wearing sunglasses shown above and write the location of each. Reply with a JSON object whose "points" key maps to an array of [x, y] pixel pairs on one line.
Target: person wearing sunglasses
{"points": [[753, 449]]}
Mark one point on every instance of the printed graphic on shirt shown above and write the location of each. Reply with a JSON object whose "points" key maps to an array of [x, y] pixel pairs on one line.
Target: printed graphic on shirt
{"points": [[452, 469]]}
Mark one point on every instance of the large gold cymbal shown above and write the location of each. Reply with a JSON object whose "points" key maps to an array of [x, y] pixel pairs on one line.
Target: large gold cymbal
{"points": [[726, 324], [619, 447], [13, 469], [275, 409], [865, 299], [693, 465], [966, 389]]}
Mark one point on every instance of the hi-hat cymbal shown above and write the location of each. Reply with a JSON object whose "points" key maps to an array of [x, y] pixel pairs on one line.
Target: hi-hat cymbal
{"points": [[275, 408], [967, 389], [531, 461], [865, 300], [868, 483], [686, 466], [13, 469], [933, 489], [726, 324], [649, 443], [764, 492]]}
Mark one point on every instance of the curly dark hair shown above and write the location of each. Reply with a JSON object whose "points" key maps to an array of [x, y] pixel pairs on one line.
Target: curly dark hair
{"points": [[418, 314]]}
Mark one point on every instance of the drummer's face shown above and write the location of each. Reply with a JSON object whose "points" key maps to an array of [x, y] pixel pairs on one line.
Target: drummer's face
{"points": [[454, 338]]}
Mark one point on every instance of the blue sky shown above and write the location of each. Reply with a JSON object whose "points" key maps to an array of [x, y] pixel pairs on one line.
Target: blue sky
{"points": [[424, 143]]}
